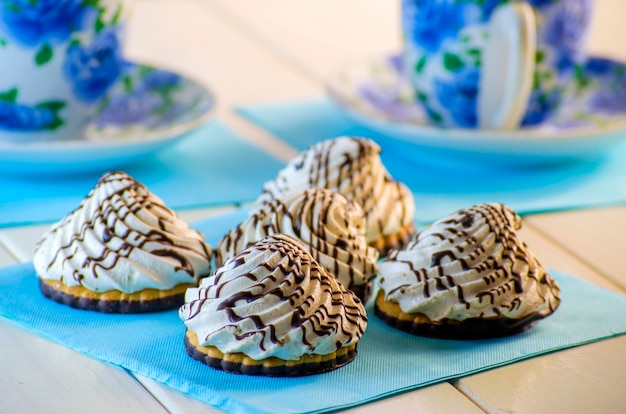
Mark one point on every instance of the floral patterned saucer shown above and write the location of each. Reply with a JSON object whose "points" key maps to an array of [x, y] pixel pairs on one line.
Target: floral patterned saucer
{"points": [[591, 121], [146, 110]]}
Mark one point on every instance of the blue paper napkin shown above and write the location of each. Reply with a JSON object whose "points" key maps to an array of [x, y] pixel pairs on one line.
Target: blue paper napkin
{"points": [[212, 166], [388, 361], [442, 184]]}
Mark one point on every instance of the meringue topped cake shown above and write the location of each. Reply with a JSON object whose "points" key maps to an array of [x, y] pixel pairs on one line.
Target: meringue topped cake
{"points": [[352, 167], [272, 310], [331, 228], [468, 275], [121, 251]]}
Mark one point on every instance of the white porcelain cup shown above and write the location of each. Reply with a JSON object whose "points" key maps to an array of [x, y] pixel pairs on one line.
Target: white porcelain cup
{"points": [[58, 58], [492, 64]]}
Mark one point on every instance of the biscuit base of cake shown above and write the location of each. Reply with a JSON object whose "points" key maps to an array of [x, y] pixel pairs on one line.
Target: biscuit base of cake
{"points": [[114, 301], [239, 363], [395, 241], [472, 328]]}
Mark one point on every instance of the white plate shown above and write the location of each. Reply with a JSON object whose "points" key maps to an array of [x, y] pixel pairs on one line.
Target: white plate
{"points": [[146, 111], [375, 94]]}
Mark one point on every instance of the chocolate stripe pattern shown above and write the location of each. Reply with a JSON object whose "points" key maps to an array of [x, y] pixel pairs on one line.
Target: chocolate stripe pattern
{"points": [[331, 227], [352, 167], [122, 237], [273, 300], [471, 264]]}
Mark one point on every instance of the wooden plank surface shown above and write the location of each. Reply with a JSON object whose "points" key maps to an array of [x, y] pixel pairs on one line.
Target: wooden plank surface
{"points": [[39, 376], [597, 236], [6, 258], [587, 379], [317, 37]]}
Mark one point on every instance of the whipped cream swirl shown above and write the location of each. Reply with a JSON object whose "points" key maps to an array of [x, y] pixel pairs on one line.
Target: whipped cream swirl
{"points": [[471, 264], [122, 237], [273, 300], [331, 227], [352, 167]]}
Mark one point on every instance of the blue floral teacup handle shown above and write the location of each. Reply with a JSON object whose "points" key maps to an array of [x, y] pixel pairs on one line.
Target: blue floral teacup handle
{"points": [[508, 67], [452, 48]]}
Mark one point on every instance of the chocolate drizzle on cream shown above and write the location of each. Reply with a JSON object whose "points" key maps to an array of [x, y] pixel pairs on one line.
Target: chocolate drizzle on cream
{"points": [[471, 264], [122, 237], [331, 228], [273, 299], [352, 167]]}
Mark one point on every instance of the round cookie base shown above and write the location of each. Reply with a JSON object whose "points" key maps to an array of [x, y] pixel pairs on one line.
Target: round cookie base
{"points": [[394, 241], [147, 300], [239, 363], [472, 328]]}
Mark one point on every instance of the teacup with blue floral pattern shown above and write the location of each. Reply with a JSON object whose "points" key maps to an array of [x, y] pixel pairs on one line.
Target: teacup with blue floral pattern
{"points": [[58, 58], [444, 43]]}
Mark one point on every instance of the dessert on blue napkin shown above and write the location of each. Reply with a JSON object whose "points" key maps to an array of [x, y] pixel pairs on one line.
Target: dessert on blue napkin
{"points": [[121, 250], [158, 352], [411, 362]]}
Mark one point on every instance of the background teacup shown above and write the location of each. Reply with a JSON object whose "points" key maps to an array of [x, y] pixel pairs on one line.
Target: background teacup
{"points": [[58, 58], [492, 63]]}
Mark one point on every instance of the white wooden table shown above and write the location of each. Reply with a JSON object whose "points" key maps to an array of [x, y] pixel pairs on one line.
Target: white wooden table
{"points": [[251, 51]]}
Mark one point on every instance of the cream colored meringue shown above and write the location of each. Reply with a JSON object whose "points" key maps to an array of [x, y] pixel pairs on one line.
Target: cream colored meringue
{"points": [[331, 228], [273, 299], [471, 264], [352, 167], [122, 237]]}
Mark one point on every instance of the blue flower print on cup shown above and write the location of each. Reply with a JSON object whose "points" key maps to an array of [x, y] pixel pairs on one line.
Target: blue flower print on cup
{"points": [[600, 67], [610, 101], [431, 22], [129, 109], [540, 3], [18, 117], [449, 44], [488, 6], [460, 96], [540, 105], [35, 22], [94, 68], [567, 29], [27, 118], [607, 103], [159, 79], [609, 85], [147, 97], [62, 56]]}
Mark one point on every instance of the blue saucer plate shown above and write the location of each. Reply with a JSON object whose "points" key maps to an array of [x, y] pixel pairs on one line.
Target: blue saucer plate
{"points": [[147, 110], [591, 121]]}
